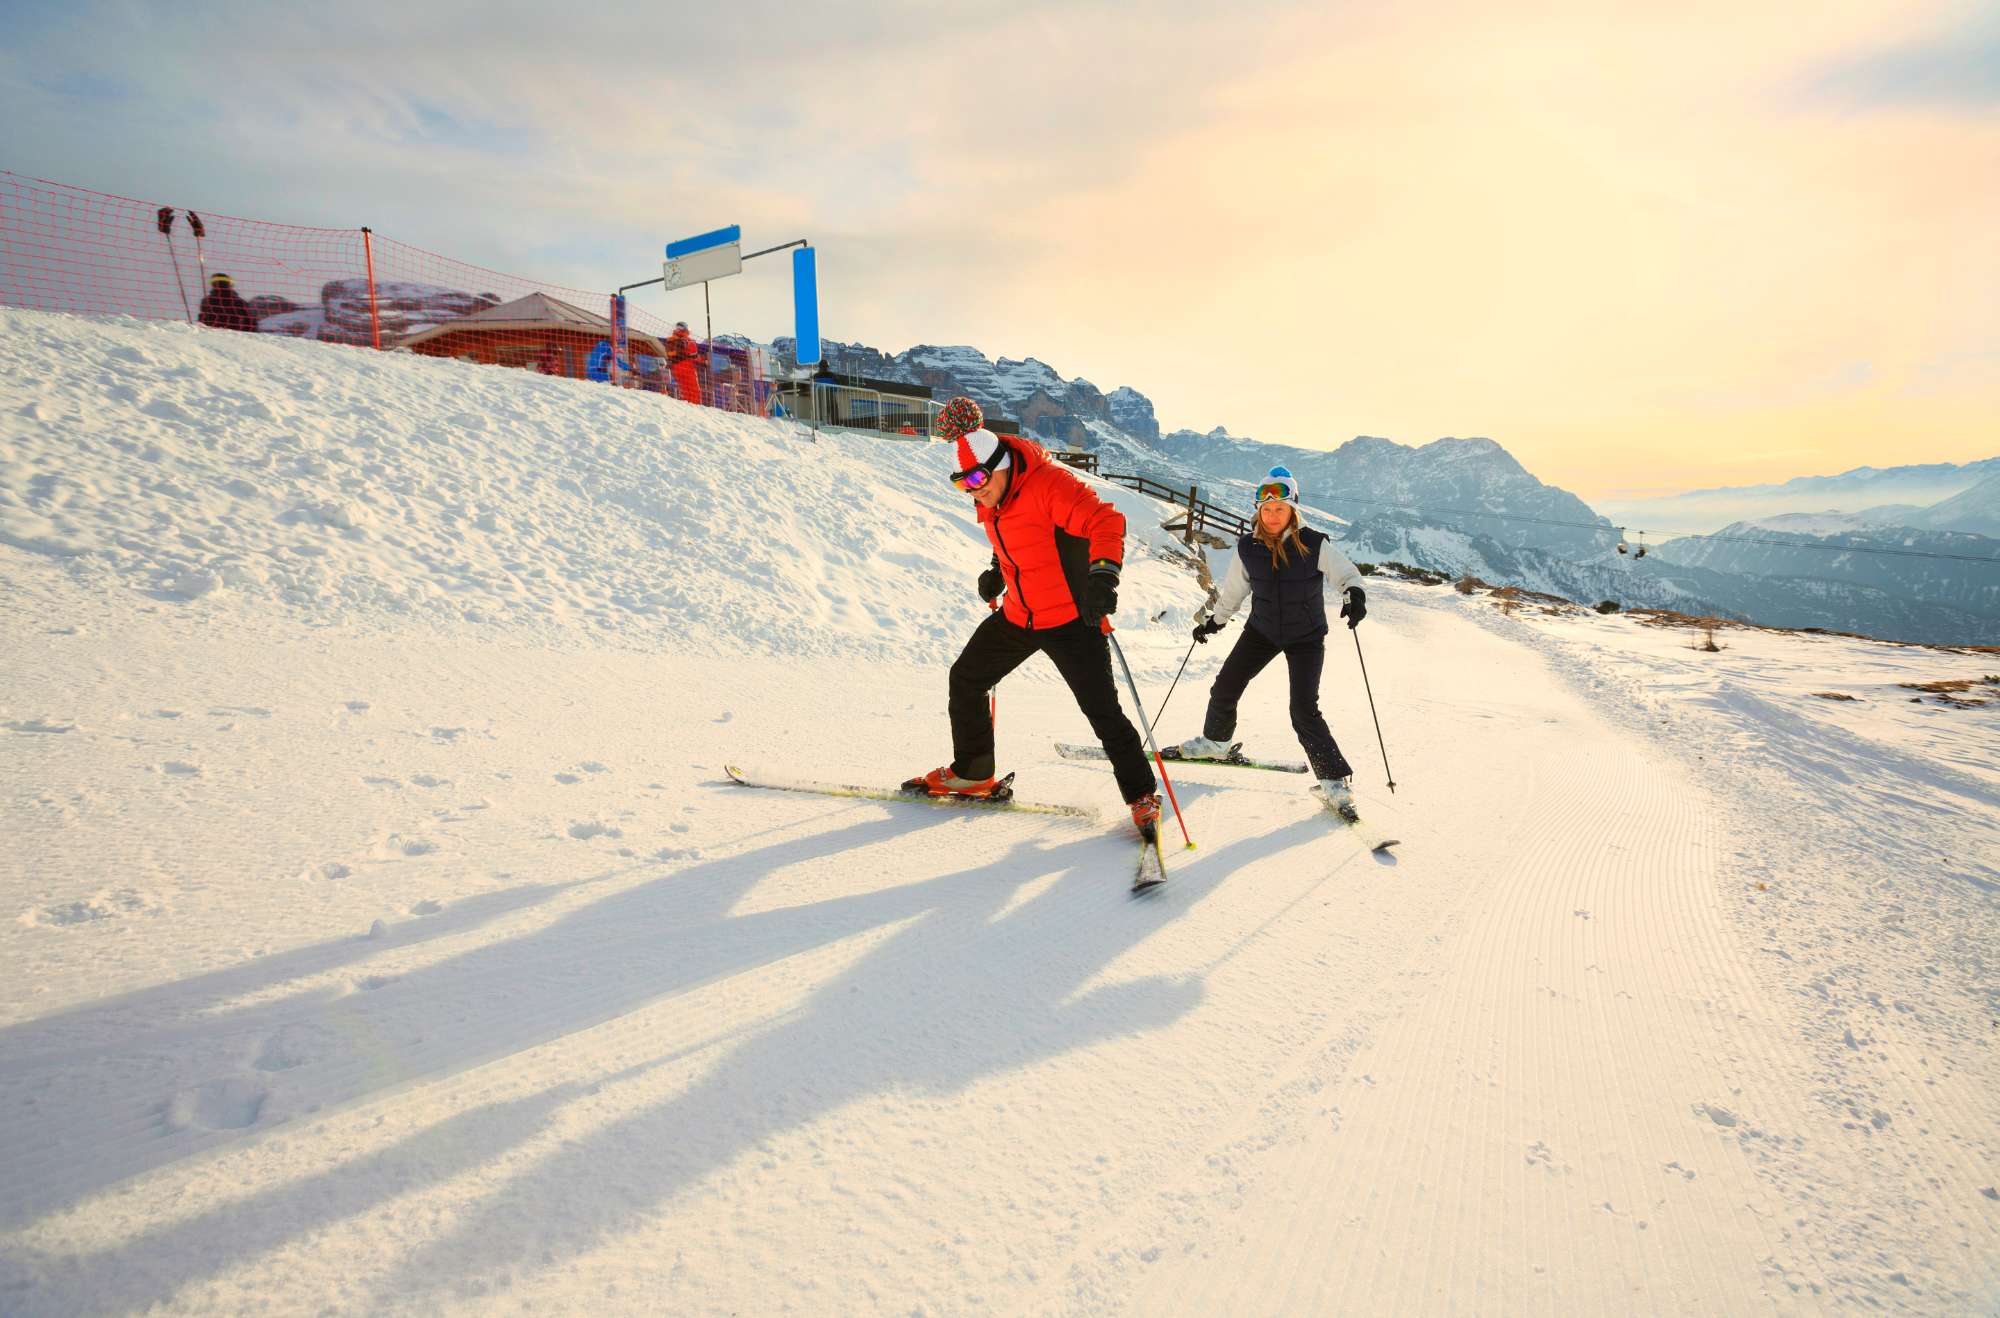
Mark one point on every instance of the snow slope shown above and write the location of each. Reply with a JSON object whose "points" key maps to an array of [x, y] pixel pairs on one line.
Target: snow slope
{"points": [[385, 936], [378, 493]]}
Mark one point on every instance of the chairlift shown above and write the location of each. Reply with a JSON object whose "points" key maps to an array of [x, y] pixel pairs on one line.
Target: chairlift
{"points": [[1641, 551]]}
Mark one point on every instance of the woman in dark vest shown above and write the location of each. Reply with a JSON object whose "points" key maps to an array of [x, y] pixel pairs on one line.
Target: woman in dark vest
{"points": [[1286, 570]]}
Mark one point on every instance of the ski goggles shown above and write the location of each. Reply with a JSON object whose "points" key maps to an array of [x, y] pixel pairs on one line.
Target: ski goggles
{"points": [[1274, 490], [973, 478]]}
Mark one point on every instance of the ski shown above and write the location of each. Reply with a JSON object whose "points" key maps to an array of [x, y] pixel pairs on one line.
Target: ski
{"points": [[1152, 871], [1236, 759], [1350, 818], [1151, 863], [997, 802]]}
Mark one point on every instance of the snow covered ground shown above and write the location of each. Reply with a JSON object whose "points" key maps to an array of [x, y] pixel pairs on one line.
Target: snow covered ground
{"points": [[384, 935]]}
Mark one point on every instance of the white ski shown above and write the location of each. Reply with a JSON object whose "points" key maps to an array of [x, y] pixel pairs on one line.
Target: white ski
{"points": [[1371, 838], [1006, 802]]}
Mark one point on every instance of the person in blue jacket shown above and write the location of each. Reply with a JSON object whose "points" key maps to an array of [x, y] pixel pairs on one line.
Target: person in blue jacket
{"points": [[1285, 569]]}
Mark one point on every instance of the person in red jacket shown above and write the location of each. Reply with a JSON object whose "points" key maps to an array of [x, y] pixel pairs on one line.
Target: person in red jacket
{"points": [[1057, 549], [682, 355]]}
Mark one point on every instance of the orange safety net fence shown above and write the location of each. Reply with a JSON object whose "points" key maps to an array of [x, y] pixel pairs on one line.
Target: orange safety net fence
{"points": [[69, 249]]}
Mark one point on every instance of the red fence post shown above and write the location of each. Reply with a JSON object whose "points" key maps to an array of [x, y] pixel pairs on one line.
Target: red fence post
{"points": [[374, 316]]}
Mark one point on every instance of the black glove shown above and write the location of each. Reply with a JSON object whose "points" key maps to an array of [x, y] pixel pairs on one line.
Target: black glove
{"points": [[1204, 630], [1101, 595], [991, 584], [1356, 607]]}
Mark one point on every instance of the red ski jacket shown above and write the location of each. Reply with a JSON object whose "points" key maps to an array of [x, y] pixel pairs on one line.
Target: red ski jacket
{"points": [[1046, 533]]}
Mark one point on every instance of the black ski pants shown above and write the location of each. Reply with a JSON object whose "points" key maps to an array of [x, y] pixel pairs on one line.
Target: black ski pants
{"points": [[1083, 657], [1305, 659]]}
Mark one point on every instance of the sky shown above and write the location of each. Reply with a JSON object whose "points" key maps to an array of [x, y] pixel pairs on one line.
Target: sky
{"points": [[1646, 248]]}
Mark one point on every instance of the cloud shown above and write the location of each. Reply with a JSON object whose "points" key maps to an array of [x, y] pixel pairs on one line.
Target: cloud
{"points": [[1552, 225], [1956, 68]]}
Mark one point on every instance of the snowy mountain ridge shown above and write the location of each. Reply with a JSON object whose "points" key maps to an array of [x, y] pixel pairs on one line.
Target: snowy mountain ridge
{"points": [[1904, 495], [1958, 572], [1975, 509], [1468, 506]]}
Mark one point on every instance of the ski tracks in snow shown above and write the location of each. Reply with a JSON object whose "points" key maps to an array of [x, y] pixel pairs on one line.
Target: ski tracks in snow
{"points": [[1586, 1090], [1525, 1135]]}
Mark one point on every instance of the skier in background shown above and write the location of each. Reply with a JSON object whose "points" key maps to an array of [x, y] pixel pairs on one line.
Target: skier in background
{"points": [[1285, 569], [222, 307], [681, 355], [1057, 552]]}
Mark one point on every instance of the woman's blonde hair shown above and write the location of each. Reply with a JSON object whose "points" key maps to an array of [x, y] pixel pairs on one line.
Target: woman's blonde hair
{"points": [[1284, 542]]}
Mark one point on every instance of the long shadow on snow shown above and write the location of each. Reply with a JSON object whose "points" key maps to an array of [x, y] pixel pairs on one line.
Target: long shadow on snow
{"points": [[157, 1265], [959, 994], [156, 1017], [161, 1263], [77, 1118], [1012, 1009]]}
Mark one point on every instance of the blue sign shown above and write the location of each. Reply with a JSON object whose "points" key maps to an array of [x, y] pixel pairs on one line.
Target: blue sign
{"points": [[805, 304], [701, 242]]}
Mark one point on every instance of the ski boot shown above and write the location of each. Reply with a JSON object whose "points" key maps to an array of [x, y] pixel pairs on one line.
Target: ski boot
{"points": [[942, 781], [1340, 798], [1146, 816], [1201, 748]]}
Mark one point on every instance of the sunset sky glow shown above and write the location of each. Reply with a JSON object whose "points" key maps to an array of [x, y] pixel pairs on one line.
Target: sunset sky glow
{"points": [[1646, 248]]}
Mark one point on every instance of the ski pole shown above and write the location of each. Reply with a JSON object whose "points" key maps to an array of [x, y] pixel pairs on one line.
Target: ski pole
{"points": [[194, 223], [167, 228], [1158, 759], [1371, 710], [993, 692], [1170, 689]]}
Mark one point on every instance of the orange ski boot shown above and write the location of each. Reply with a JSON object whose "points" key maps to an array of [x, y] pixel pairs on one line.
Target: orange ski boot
{"points": [[1146, 815], [942, 781]]}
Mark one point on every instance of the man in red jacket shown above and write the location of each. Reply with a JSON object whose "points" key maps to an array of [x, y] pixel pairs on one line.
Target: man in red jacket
{"points": [[681, 364], [1056, 554]]}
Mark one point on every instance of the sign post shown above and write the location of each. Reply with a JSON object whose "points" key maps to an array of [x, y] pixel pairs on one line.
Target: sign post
{"points": [[719, 254], [617, 338]]}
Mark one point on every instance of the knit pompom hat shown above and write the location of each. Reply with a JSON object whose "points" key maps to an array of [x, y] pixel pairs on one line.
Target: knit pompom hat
{"points": [[958, 418], [978, 449], [1280, 476]]}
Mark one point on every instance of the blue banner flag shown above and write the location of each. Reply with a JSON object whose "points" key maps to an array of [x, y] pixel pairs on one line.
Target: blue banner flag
{"points": [[805, 304]]}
